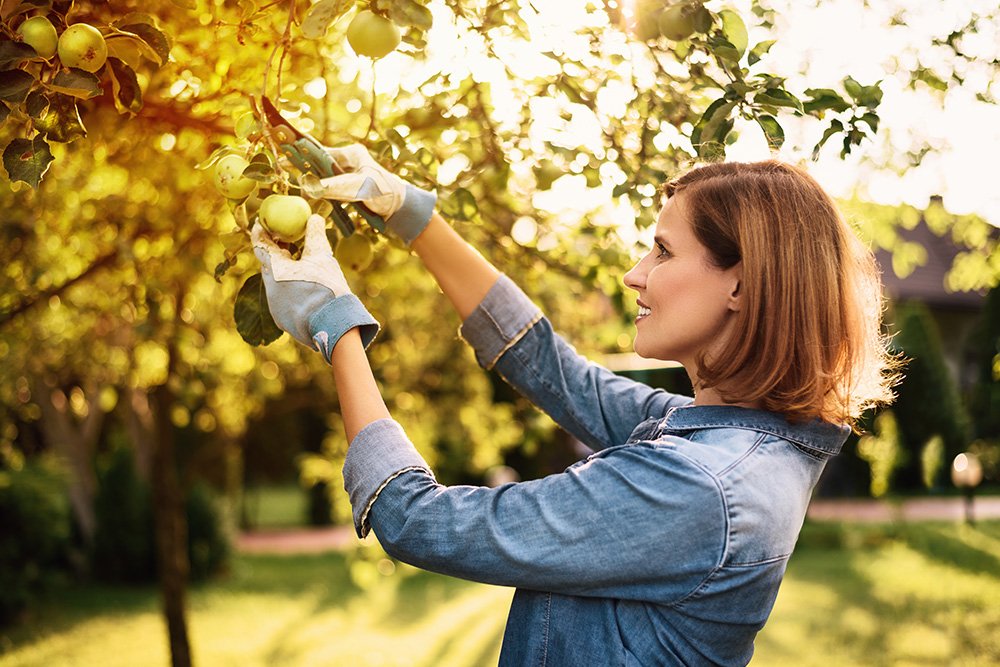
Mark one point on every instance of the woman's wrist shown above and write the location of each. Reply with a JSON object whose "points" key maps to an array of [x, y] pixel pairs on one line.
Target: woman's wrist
{"points": [[360, 400]]}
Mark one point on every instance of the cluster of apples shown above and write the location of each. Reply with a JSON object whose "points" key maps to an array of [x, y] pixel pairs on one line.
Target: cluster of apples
{"points": [[676, 21], [285, 216], [80, 45]]}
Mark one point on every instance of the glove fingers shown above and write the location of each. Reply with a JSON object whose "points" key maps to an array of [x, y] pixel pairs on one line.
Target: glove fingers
{"points": [[346, 187], [317, 242], [351, 158], [265, 248]]}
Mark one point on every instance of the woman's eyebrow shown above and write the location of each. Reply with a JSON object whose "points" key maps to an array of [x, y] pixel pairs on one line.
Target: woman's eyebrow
{"points": [[661, 240]]}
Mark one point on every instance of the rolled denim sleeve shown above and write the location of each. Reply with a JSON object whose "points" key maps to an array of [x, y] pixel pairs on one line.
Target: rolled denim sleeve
{"points": [[638, 522], [376, 456], [509, 334]]}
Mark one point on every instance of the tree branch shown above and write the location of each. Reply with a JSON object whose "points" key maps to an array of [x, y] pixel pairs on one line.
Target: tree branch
{"points": [[101, 262]]}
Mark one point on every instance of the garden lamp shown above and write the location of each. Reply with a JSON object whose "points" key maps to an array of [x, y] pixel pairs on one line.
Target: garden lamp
{"points": [[966, 474]]}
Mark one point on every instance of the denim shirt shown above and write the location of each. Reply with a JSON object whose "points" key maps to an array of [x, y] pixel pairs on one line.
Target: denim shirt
{"points": [[665, 547]]}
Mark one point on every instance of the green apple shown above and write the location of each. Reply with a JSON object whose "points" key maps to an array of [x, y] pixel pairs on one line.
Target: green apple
{"points": [[354, 252], [285, 216], [83, 46], [372, 35], [229, 178], [676, 23], [39, 33]]}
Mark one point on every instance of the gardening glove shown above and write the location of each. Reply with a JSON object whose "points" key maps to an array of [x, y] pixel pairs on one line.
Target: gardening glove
{"points": [[405, 208], [309, 297]]}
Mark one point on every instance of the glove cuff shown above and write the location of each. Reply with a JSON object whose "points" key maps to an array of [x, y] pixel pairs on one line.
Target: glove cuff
{"points": [[328, 324], [414, 215]]}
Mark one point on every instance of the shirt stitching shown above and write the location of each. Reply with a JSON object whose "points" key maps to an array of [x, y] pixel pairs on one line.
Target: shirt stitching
{"points": [[545, 629], [514, 340], [748, 427], [364, 515], [748, 452]]}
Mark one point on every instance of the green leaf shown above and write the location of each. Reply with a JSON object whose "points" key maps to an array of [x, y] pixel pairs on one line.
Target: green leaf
{"points": [[76, 83], [871, 119], [27, 160], [14, 7], [835, 127], [222, 268], [253, 316], [705, 117], [735, 30], [262, 172], [410, 13], [871, 96], [724, 49], [152, 36], [36, 104], [131, 48], [758, 51], [125, 85], [772, 130], [61, 122], [714, 125], [779, 98], [14, 85], [13, 54], [853, 88], [321, 15], [461, 205], [823, 99]]}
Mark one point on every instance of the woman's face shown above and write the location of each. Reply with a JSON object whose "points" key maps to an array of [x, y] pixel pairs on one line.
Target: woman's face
{"points": [[685, 301]]}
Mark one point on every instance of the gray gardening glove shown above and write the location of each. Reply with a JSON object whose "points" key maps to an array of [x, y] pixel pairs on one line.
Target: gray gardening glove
{"points": [[309, 297], [405, 208]]}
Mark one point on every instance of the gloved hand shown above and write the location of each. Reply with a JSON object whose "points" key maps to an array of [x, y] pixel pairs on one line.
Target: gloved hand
{"points": [[309, 297], [405, 208]]}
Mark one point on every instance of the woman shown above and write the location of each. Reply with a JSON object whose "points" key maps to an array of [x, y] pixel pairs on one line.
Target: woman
{"points": [[667, 546]]}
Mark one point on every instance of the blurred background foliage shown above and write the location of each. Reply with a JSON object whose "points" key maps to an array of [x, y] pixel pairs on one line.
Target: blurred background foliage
{"points": [[116, 337]]}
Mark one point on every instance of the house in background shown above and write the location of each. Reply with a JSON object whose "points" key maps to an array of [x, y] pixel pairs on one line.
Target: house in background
{"points": [[954, 313]]}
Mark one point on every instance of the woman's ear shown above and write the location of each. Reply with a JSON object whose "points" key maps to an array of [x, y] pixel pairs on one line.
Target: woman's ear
{"points": [[736, 291]]}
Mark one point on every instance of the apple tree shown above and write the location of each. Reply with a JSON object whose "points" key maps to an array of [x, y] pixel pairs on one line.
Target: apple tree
{"points": [[129, 292]]}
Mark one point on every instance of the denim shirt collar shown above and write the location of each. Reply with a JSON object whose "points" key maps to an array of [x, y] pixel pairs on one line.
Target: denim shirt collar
{"points": [[816, 434]]}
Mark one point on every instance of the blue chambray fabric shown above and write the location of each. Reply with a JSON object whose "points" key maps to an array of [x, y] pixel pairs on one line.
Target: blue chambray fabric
{"points": [[664, 547]]}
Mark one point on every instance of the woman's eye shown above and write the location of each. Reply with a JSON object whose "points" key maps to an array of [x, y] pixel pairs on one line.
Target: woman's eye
{"points": [[661, 251]]}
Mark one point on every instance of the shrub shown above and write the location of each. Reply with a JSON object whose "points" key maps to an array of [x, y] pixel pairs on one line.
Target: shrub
{"points": [[928, 401], [209, 540], [34, 540], [124, 545], [123, 542]]}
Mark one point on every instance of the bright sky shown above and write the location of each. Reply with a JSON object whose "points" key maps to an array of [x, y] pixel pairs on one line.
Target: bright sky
{"points": [[817, 47], [841, 37]]}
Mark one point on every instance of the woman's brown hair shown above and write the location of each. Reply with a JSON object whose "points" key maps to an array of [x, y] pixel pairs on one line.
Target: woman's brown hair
{"points": [[810, 342]]}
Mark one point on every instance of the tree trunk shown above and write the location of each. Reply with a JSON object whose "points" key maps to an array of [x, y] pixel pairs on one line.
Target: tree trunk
{"points": [[74, 440], [139, 420], [171, 530]]}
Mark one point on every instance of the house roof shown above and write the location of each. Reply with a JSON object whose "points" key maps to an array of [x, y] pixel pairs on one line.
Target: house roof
{"points": [[926, 282]]}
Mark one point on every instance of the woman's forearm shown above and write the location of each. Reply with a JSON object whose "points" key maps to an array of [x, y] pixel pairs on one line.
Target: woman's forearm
{"points": [[463, 274], [360, 400]]}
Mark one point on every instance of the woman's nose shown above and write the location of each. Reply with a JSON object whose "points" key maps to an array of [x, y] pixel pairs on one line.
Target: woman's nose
{"points": [[636, 277]]}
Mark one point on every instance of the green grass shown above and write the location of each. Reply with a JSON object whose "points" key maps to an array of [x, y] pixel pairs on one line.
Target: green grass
{"points": [[916, 594], [276, 505]]}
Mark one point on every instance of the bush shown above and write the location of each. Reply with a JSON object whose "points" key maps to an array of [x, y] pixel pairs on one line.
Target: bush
{"points": [[928, 401], [124, 545], [209, 541], [35, 535]]}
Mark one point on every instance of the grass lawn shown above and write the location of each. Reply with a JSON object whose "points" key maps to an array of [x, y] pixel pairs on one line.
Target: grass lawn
{"points": [[917, 594]]}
